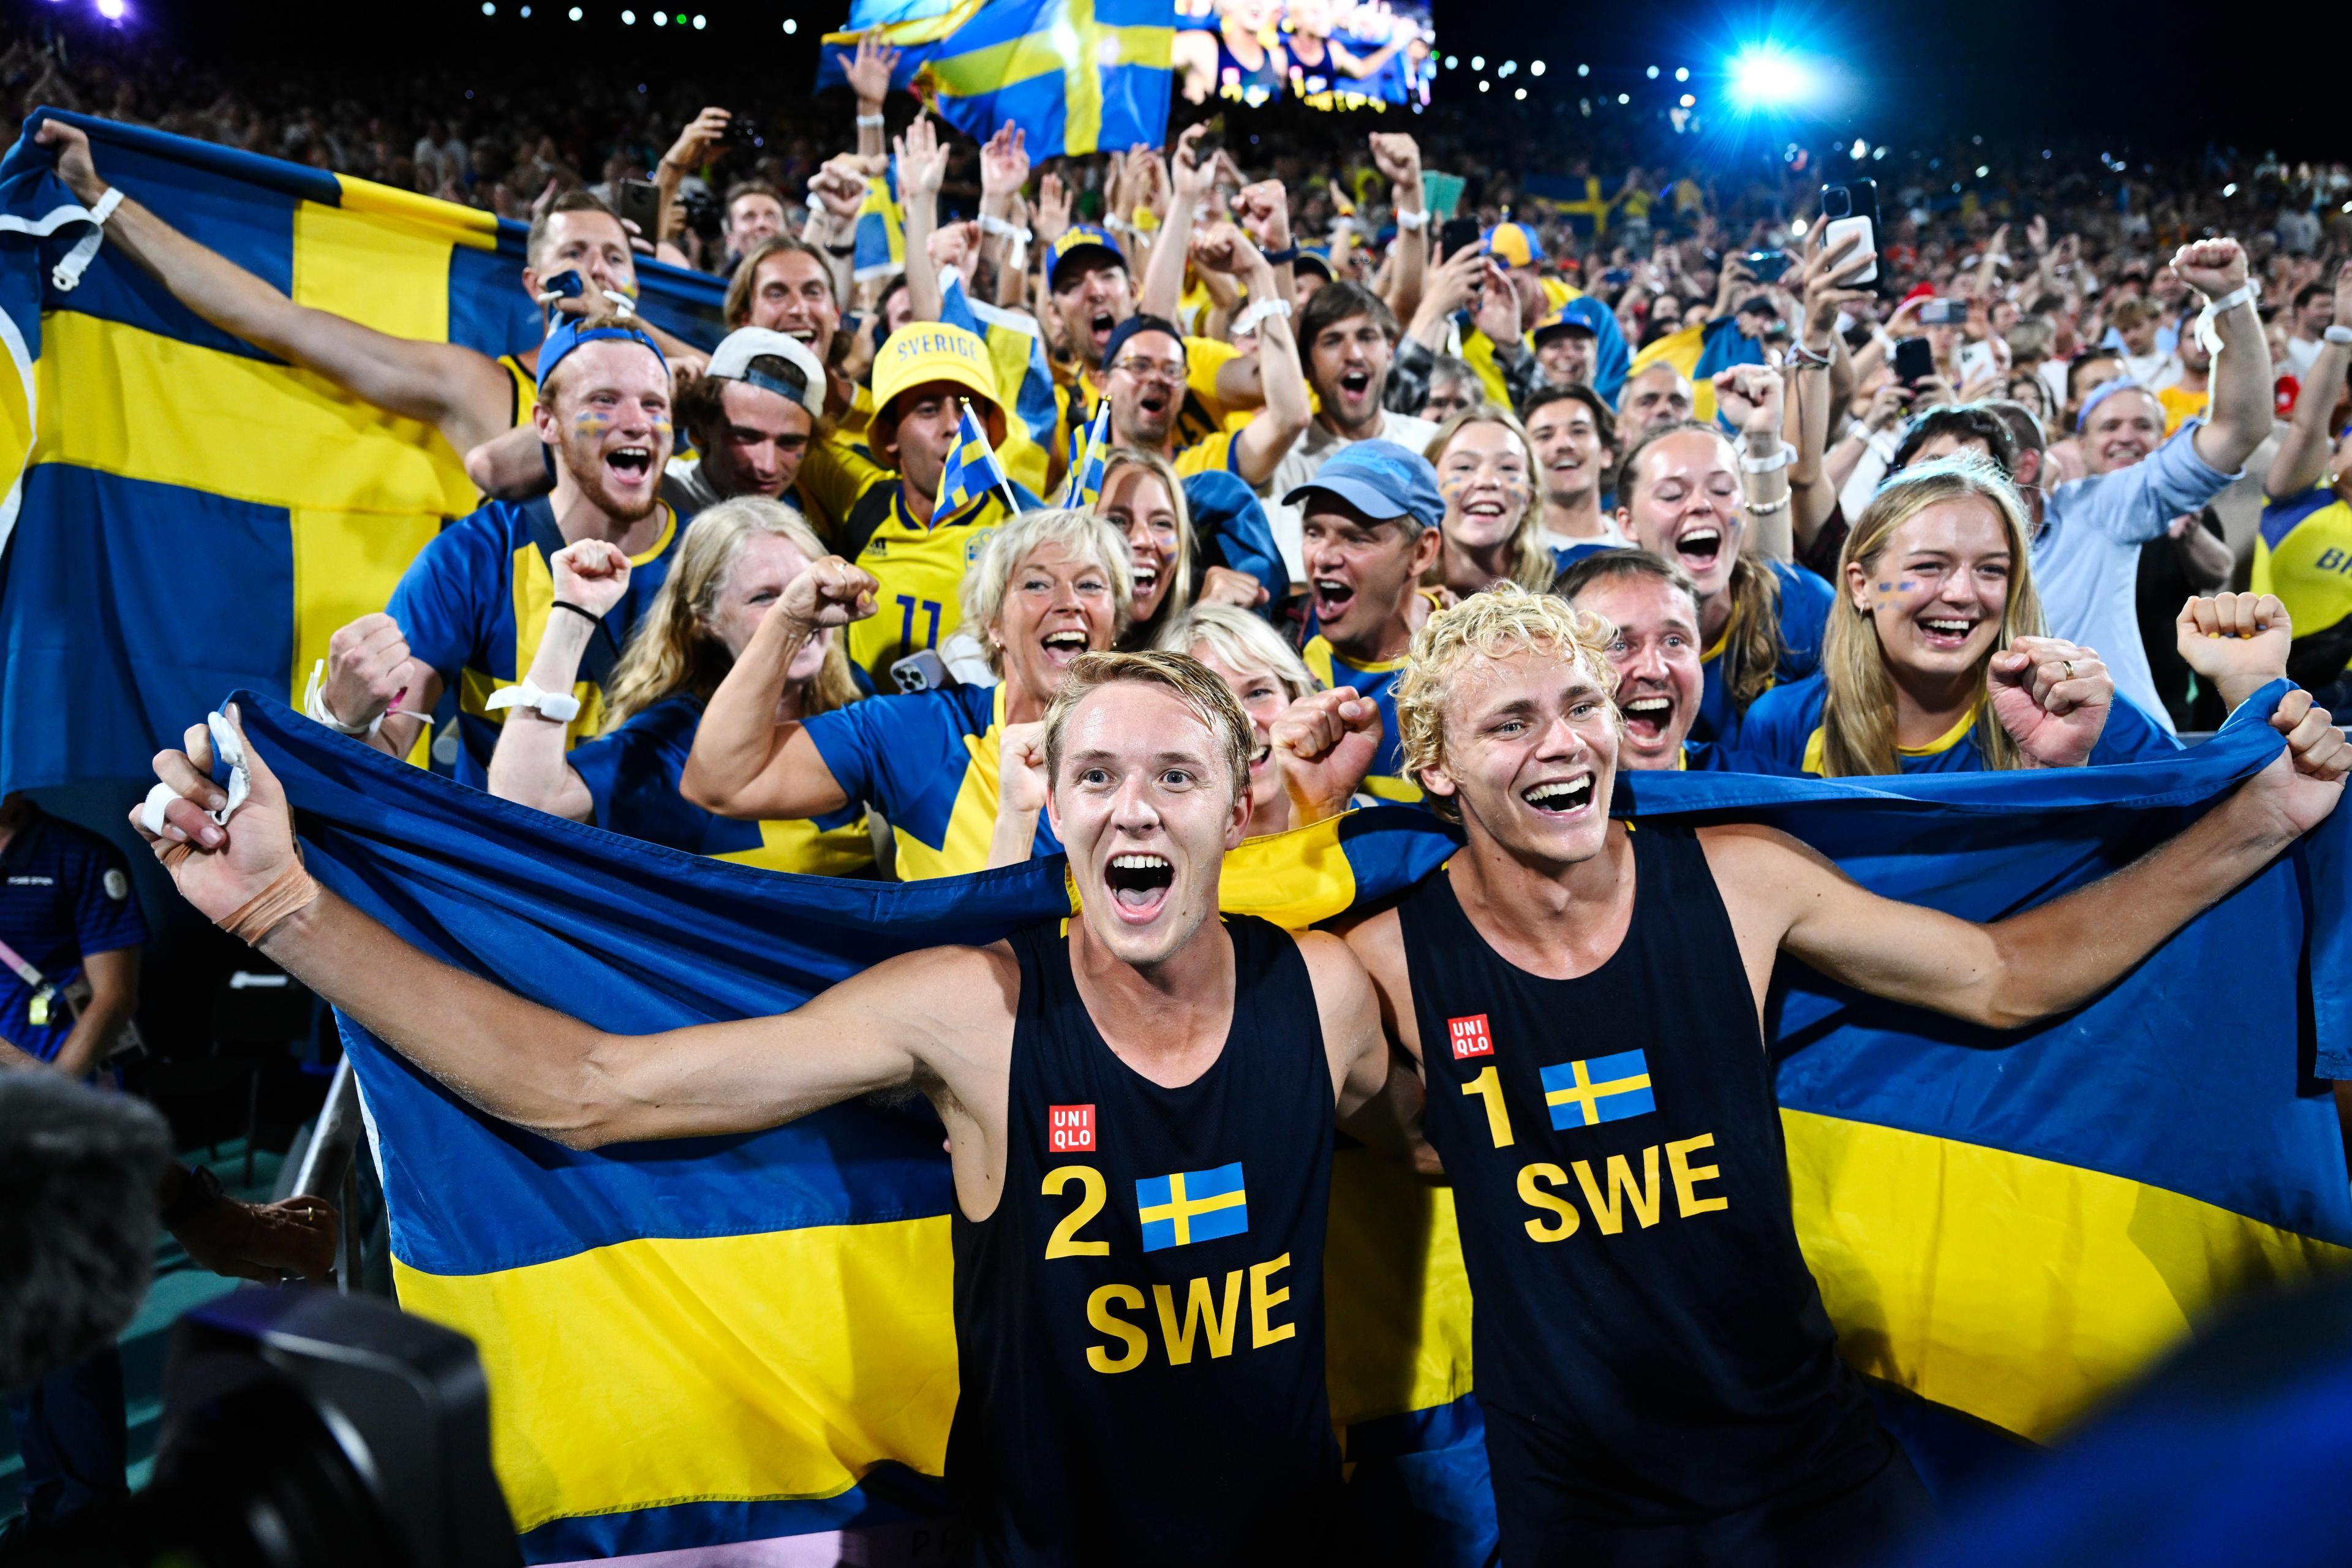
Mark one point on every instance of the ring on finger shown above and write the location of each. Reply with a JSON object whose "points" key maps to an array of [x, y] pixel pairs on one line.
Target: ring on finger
{"points": [[2068, 665]]}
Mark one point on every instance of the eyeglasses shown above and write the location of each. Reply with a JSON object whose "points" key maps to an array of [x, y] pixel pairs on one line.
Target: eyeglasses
{"points": [[1165, 369]]}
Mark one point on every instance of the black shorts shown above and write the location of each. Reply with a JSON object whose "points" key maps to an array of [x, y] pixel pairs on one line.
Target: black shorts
{"points": [[1544, 1524]]}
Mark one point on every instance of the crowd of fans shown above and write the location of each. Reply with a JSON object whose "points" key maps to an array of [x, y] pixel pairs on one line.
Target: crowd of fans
{"points": [[1970, 490]]}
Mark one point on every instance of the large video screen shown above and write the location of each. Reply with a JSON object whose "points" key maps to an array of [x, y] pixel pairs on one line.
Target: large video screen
{"points": [[1327, 54]]}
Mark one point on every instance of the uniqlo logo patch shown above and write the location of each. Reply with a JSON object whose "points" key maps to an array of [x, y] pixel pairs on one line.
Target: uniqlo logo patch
{"points": [[1070, 1128], [1470, 1037]]}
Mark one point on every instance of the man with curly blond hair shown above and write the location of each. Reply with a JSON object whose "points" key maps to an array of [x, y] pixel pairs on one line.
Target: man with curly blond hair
{"points": [[1584, 996]]}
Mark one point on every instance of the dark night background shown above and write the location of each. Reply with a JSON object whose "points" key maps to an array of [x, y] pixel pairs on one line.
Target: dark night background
{"points": [[2156, 78]]}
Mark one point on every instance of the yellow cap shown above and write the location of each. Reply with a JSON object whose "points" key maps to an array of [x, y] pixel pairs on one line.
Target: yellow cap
{"points": [[923, 351]]}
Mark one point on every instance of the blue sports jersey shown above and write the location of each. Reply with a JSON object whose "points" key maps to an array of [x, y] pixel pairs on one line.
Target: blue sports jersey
{"points": [[1805, 601], [65, 893], [1783, 735], [1387, 780], [929, 764], [474, 605], [632, 776]]}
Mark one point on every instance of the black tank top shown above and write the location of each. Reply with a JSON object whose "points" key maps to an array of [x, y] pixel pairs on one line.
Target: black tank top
{"points": [[1140, 1321], [1623, 1194]]}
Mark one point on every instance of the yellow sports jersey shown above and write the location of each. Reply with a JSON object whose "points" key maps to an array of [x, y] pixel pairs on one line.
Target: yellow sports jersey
{"points": [[1207, 456], [1387, 780], [2304, 554], [1203, 416], [2180, 404], [526, 388], [929, 764], [920, 568]]}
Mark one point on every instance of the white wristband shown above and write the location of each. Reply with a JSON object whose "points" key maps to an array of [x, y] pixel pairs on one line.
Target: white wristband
{"points": [[1771, 464], [2242, 294], [106, 206], [314, 706], [1258, 311], [864, 121], [1412, 223], [548, 705], [1001, 227], [2337, 334]]}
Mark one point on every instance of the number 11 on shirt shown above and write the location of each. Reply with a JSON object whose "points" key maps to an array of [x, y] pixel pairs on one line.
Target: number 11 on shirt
{"points": [[908, 606]]}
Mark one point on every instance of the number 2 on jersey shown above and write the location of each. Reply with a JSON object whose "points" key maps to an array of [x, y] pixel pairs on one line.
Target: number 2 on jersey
{"points": [[1092, 1194]]}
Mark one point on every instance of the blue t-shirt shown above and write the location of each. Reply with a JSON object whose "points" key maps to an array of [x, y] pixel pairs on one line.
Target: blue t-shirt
{"points": [[65, 893], [1805, 601], [928, 763], [632, 777], [1783, 735], [1387, 780], [474, 605]]}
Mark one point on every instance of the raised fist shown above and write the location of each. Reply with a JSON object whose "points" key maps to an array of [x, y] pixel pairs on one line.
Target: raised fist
{"points": [[368, 670], [592, 573], [831, 593], [2052, 698], [1324, 743], [2235, 642]]}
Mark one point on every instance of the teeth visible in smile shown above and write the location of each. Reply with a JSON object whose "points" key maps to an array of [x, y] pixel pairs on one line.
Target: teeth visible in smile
{"points": [[1951, 629], [1067, 640], [1699, 541], [1331, 588], [1569, 795], [1140, 862], [1650, 707]]}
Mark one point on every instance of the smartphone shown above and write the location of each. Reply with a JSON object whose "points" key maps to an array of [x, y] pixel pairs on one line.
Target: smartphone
{"points": [[1944, 314], [1212, 142], [1851, 208], [1457, 233], [1617, 275], [1765, 266], [742, 132], [921, 670], [639, 202], [1914, 361]]}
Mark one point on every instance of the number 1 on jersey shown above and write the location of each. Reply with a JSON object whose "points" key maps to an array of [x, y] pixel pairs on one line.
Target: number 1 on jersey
{"points": [[1488, 1086]]}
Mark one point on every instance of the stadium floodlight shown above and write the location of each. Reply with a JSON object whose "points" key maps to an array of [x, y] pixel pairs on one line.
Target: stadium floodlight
{"points": [[1535, 67], [1764, 76], [1689, 102], [628, 19], [1654, 73], [1624, 98], [1682, 73], [575, 13], [1521, 93], [1584, 70], [111, 9], [790, 25], [1478, 62]]}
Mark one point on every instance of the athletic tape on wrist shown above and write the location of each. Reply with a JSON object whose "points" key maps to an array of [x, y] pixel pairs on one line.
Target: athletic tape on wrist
{"points": [[294, 891]]}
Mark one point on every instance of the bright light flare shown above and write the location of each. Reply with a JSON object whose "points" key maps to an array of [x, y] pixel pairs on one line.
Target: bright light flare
{"points": [[1764, 76]]}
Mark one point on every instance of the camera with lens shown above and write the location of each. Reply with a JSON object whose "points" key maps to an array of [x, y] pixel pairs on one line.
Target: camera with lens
{"points": [[301, 1429]]}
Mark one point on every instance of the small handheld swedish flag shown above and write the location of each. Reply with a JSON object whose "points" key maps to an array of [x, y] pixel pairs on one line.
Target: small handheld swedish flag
{"points": [[1086, 461], [973, 472]]}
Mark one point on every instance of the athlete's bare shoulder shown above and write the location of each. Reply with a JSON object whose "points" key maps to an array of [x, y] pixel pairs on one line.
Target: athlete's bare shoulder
{"points": [[1768, 881], [951, 1006]]}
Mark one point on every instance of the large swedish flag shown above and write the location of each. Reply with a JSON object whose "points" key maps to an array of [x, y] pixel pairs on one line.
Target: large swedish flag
{"points": [[1077, 76], [188, 511], [2003, 1225]]}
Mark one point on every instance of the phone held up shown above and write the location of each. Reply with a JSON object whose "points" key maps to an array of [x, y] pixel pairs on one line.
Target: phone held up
{"points": [[1914, 361], [1851, 208]]}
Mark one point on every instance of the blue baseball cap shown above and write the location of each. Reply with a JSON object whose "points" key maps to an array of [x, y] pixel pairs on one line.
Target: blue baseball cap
{"points": [[1381, 479], [567, 335], [1078, 237], [1578, 315]]}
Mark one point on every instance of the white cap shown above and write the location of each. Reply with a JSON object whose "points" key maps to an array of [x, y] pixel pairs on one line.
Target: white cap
{"points": [[731, 361]]}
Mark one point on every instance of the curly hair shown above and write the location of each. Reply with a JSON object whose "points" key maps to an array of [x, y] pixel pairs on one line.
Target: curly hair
{"points": [[1502, 620]]}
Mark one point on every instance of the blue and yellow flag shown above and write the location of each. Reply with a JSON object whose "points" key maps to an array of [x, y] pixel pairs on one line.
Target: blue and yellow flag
{"points": [[1077, 76], [880, 236], [189, 512], [1018, 354], [1087, 458], [2003, 1225], [1186, 1206], [971, 472]]}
